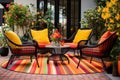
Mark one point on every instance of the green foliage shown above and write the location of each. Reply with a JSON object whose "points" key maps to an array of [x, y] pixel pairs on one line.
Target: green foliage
{"points": [[101, 2], [2, 39], [115, 51], [93, 20], [18, 15]]}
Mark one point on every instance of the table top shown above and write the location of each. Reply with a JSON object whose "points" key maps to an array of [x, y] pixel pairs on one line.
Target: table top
{"points": [[51, 46]]}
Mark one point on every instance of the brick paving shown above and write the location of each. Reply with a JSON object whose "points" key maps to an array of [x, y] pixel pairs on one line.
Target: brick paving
{"points": [[11, 75]]}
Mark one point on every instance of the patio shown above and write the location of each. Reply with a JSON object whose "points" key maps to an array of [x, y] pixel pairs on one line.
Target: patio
{"points": [[66, 28], [11, 75]]}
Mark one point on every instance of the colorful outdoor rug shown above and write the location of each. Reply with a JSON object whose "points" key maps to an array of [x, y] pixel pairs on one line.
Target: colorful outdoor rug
{"points": [[25, 65]]}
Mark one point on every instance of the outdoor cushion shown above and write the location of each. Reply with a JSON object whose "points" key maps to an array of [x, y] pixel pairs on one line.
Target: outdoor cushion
{"points": [[72, 45], [105, 36], [14, 38], [42, 45], [24, 50], [81, 35], [41, 36], [92, 51]]}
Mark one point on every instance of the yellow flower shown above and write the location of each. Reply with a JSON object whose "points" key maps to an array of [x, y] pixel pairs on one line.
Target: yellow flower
{"points": [[118, 25], [111, 20], [106, 9], [108, 4], [33, 23], [109, 28], [113, 1], [108, 15], [103, 16], [117, 17], [117, 33], [105, 25], [99, 9]]}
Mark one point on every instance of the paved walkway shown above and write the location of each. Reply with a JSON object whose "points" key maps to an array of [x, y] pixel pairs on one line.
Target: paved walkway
{"points": [[11, 75]]}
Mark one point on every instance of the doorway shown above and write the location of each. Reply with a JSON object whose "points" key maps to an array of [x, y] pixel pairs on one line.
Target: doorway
{"points": [[65, 14]]}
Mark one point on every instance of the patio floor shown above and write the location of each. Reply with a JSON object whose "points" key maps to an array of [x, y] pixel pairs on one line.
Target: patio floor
{"points": [[11, 75]]}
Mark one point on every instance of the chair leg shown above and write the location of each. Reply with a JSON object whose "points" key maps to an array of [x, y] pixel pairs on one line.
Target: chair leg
{"points": [[103, 64], [36, 59], [9, 62], [74, 51], [31, 58], [80, 56], [78, 52], [91, 59]]}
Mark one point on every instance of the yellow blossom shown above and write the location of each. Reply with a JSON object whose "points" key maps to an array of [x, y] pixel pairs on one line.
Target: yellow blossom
{"points": [[106, 9], [117, 33], [109, 28], [99, 9], [33, 23], [105, 25], [113, 2], [117, 17], [118, 25], [111, 20], [108, 4]]}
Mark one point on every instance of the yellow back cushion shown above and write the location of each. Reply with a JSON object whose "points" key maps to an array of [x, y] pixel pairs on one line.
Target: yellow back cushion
{"points": [[14, 38], [81, 35], [40, 36]]}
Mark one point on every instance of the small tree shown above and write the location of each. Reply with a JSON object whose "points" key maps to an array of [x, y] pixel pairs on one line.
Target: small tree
{"points": [[93, 20]]}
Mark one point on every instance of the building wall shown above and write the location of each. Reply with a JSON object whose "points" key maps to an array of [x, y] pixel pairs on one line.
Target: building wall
{"points": [[85, 5], [28, 2]]}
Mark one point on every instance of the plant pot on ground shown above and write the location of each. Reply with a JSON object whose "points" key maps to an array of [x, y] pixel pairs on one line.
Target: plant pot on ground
{"points": [[4, 51]]}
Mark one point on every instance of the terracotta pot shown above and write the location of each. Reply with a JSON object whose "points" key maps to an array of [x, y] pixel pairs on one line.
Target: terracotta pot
{"points": [[119, 67], [118, 59], [109, 66]]}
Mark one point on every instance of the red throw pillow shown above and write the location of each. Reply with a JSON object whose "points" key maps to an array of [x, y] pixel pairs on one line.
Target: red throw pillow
{"points": [[105, 36]]}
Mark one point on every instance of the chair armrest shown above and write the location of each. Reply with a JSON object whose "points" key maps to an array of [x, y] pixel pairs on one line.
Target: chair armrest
{"points": [[70, 39], [88, 46]]}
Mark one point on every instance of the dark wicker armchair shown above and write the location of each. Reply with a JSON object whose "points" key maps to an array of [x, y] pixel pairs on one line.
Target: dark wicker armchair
{"points": [[17, 48], [100, 50], [42, 40], [82, 41]]}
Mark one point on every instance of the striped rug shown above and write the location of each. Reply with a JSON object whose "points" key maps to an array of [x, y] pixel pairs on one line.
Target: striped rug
{"points": [[26, 66]]}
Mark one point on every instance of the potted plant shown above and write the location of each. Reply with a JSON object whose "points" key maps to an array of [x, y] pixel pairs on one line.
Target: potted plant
{"points": [[110, 13], [18, 17], [3, 47]]}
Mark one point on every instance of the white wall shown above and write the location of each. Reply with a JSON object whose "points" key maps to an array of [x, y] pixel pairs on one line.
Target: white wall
{"points": [[28, 2], [85, 5]]}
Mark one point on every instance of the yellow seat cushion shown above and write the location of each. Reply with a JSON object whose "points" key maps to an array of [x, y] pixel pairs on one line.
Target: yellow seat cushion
{"points": [[14, 38], [41, 36], [81, 35]]}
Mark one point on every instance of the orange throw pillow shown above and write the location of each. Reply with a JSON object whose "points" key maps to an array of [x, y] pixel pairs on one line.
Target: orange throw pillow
{"points": [[105, 36]]}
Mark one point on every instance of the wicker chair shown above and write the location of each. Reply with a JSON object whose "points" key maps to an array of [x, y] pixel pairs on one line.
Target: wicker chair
{"points": [[17, 49], [101, 49], [74, 46], [40, 46]]}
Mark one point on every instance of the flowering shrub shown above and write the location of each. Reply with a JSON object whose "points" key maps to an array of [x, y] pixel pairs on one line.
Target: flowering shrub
{"points": [[56, 36], [111, 14], [18, 15]]}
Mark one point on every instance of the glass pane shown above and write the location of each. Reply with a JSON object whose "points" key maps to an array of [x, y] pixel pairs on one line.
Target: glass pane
{"points": [[63, 17]]}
